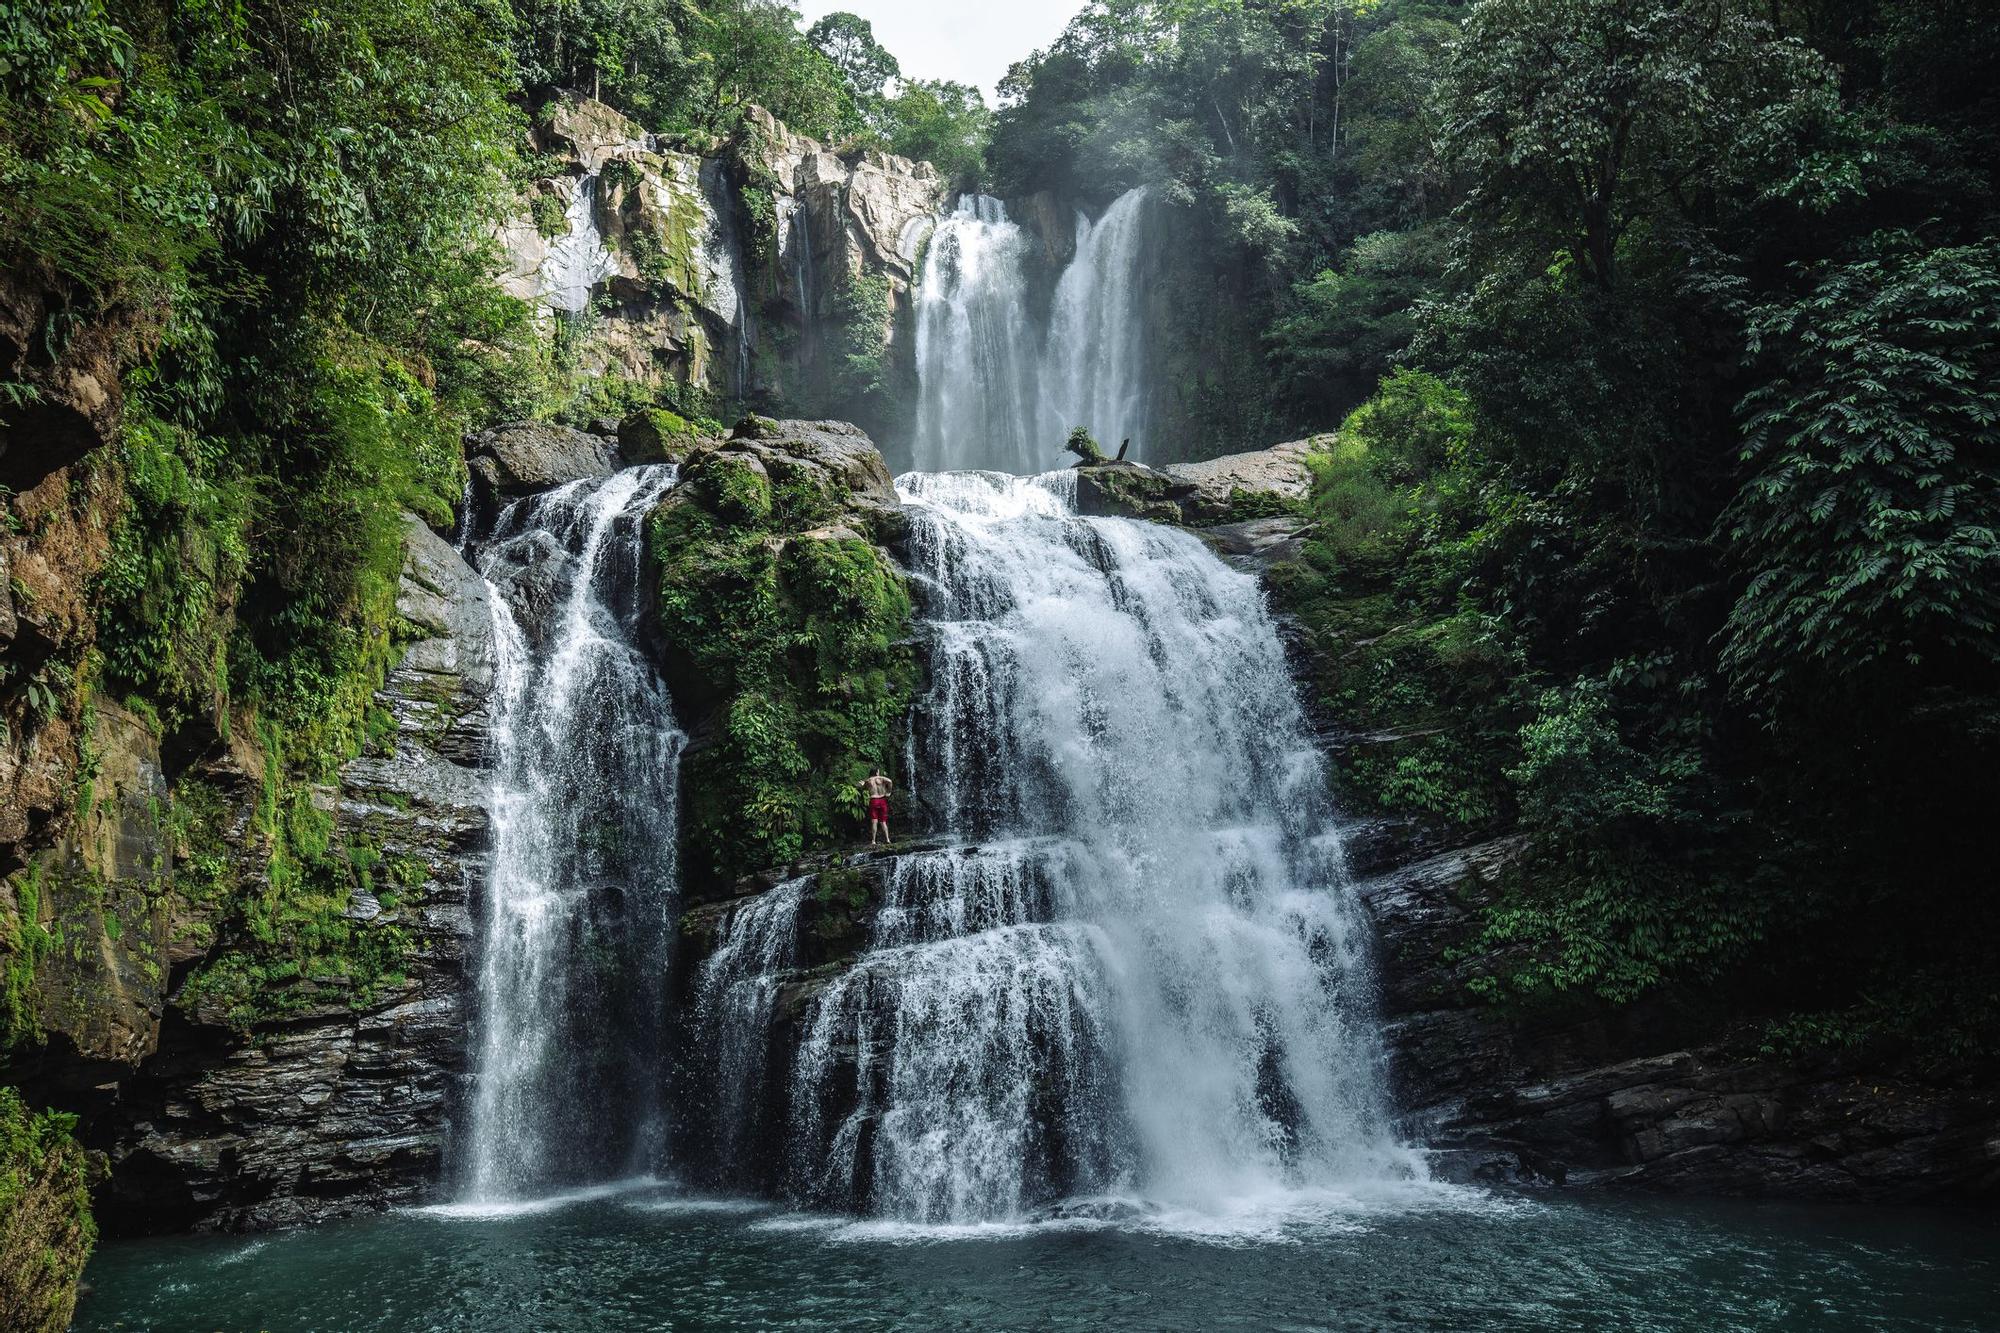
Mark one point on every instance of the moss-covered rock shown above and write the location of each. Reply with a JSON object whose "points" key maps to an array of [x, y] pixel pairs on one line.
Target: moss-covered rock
{"points": [[46, 1231], [656, 435], [785, 628]]}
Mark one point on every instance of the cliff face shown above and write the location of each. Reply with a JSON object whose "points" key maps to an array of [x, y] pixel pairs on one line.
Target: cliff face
{"points": [[753, 268], [317, 1099], [57, 504]]}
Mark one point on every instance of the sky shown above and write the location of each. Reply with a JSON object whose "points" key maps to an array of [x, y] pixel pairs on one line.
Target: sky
{"points": [[970, 41]]}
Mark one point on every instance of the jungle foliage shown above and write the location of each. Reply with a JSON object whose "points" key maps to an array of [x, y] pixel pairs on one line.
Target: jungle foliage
{"points": [[1662, 523]]}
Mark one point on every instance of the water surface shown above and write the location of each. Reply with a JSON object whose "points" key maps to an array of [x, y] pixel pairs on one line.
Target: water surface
{"points": [[646, 1257]]}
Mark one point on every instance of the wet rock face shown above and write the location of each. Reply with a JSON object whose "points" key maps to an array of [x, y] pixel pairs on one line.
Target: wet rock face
{"points": [[1645, 1099], [719, 266], [343, 1107]]}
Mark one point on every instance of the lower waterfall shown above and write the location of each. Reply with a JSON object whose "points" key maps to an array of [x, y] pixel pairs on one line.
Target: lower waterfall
{"points": [[1136, 973], [570, 1010]]}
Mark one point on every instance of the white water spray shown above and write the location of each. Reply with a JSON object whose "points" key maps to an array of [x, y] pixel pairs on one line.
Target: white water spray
{"points": [[997, 390], [976, 349]]}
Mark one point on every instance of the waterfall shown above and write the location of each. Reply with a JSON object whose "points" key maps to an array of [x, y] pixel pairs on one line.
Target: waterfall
{"points": [[735, 1000], [995, 390], [1148, 977], [578, 259], [729, 284], [567, 1046], [1094, 373], [976, 350]]}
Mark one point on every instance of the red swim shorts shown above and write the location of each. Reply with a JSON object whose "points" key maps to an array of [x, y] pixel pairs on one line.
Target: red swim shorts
{"points": [[878, 808]]}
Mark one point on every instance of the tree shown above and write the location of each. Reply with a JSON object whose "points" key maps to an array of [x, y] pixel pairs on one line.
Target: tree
{"points": [[848, 40], [757, 57], [943, 123], [1870, 532], [1577, 121]]}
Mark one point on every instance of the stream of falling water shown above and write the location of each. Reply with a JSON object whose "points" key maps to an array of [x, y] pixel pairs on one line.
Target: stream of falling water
{"points": [[570, 1006], [1138, 977], [996, 387]]}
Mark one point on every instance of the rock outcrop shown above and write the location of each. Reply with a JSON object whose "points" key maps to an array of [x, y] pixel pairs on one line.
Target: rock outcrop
{"points": [[731, 266], [56, 512], [211, 1119], [1649, 1099], [522, 457], [783, 632], [1234, 489]]}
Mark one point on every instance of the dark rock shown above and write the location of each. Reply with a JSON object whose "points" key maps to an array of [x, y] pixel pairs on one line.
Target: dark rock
{"points": [[344, 1107], [1255, 545], [1585, 1096], [524, 457]]}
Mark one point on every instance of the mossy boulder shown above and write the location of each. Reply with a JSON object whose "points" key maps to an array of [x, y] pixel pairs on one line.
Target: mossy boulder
{"points": [[656, 435], [784, 628]]}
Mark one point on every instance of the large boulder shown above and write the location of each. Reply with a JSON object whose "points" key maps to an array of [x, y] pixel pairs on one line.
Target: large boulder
{"points": [[783, 628], [523, 457], [837, 456], [1231, 490], [1224, 488]]}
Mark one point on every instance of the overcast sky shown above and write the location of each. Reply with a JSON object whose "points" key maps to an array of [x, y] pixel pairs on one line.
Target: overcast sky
{"points": [[970, 41]]}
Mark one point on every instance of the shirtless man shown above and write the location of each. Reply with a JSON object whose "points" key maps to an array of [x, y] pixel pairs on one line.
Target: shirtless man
{"points": [[876, 788]]}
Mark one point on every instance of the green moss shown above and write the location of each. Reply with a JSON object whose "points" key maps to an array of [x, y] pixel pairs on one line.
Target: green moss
{"points": [[550, 217], [24, 943], [657, 435], [46, 1230], [804, 641], [287, 945]]}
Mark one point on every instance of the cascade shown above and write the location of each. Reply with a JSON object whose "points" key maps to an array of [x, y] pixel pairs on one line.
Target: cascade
{"points": [[1138, 972], [578, 259], [570, 1008], [1094, 372], [976, 349], [995, 389]]}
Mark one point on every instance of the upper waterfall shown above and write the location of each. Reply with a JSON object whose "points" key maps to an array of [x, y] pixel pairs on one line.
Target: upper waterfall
{"points": [[998, 389]]}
